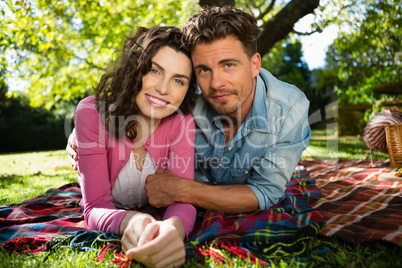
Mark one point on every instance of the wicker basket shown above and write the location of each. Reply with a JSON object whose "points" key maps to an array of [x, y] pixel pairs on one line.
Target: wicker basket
{"points": [[393, 134]]}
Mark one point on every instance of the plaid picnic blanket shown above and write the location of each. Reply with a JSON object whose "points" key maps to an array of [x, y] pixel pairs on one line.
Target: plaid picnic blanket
{"points": [[285, 227], [55, 218], [29, 225], [356, 206]]}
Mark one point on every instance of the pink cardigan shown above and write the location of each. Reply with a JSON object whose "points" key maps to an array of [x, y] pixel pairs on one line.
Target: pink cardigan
{"points": [[102, 156]]}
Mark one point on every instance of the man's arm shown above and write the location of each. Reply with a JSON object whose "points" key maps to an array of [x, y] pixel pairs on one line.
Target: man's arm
{"points": [[165, 188], [72, 150], [274, 169]]}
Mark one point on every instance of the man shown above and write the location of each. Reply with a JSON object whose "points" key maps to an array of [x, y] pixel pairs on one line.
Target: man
{"points": [[251, 127]]}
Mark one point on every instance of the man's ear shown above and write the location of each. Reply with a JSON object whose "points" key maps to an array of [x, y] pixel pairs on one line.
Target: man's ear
{"points": [[256, 64]]}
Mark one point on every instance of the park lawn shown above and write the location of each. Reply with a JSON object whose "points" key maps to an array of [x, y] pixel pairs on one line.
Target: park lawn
{"points": [[27, 175]]}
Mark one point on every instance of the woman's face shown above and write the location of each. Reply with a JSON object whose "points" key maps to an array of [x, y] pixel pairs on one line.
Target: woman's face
{"points": [[165, 86]]}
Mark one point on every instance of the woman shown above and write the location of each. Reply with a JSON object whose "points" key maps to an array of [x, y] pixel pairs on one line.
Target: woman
{"points": [[138, 122]]}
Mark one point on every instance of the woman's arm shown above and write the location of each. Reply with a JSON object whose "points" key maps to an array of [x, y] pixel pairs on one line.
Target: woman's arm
{"points": [[93, 168]]}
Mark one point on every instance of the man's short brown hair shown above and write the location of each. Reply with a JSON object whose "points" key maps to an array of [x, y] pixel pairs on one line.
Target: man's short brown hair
{"points": [[215, 23]]}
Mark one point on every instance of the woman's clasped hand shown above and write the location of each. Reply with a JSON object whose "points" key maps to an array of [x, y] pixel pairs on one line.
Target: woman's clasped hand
{"points": [[154, 243]]}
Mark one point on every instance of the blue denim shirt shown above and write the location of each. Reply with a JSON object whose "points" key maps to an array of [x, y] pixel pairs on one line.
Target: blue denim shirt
{"points": [[267, 146]]}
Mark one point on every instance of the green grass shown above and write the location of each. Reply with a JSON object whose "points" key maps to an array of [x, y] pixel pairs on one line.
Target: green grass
{"points": [[26, 175], [327, 145]]}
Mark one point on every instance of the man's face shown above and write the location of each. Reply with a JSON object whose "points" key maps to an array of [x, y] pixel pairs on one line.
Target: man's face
{"points": [[226, 75]]}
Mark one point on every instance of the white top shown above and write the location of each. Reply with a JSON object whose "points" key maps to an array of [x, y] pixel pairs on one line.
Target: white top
{"points": [[128, 191]]}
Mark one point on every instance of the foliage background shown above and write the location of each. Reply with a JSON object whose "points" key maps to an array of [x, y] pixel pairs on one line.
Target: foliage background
{"points": [[60, 48], [365, 55]]}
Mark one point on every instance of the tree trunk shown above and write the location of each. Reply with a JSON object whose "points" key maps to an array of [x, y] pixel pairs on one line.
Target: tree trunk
{"points": [[220, 3], [279, 26], [282, 24]]}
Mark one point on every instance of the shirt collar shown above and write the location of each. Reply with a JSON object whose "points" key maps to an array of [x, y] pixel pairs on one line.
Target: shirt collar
{"points": [[259, 111]]}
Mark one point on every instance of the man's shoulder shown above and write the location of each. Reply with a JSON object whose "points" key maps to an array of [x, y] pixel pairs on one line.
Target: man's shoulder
{"points": [[281, 92]]}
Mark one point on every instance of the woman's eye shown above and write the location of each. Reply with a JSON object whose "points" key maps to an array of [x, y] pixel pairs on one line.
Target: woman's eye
{"points": [[154, 71], [179, 82]]}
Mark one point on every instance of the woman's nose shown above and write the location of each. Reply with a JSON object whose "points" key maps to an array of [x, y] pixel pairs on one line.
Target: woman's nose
{"points": [[163, 86]]}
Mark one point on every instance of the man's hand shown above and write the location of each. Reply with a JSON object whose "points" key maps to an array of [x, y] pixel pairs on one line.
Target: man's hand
{"points": [[72, 150], [162, 188], [165, 188]]}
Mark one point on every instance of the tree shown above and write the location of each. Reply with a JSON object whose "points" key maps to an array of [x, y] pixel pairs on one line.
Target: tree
{"points": [[293, 69], [283, 22], [62, 47], [3, 85], [24, 128], [364, 53], [66, 45]]}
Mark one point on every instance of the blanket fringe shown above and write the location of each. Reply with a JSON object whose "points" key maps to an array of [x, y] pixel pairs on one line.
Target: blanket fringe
{"points": [[242, 252], [252, 252], [26, 244], [214, 252], [120, 259]]}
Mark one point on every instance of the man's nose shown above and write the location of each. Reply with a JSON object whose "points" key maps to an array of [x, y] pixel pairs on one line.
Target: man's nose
{"points": [[217, 80]]}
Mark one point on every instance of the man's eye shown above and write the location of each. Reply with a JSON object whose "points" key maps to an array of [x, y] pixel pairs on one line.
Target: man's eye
{"points": [[203, 70], [228, 65]]}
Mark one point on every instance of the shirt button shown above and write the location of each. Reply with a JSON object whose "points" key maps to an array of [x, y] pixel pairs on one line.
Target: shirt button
{"points": [[147, 143], [157, 163], [246, 172], [220, 164], [230, 148]]}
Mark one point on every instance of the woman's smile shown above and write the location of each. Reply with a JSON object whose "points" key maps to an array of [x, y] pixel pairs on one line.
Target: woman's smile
{"points": [[156, 102]]}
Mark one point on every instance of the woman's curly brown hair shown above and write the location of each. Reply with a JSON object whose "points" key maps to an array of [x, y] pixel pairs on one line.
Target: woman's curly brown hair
{"points": [[117, 90]]}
